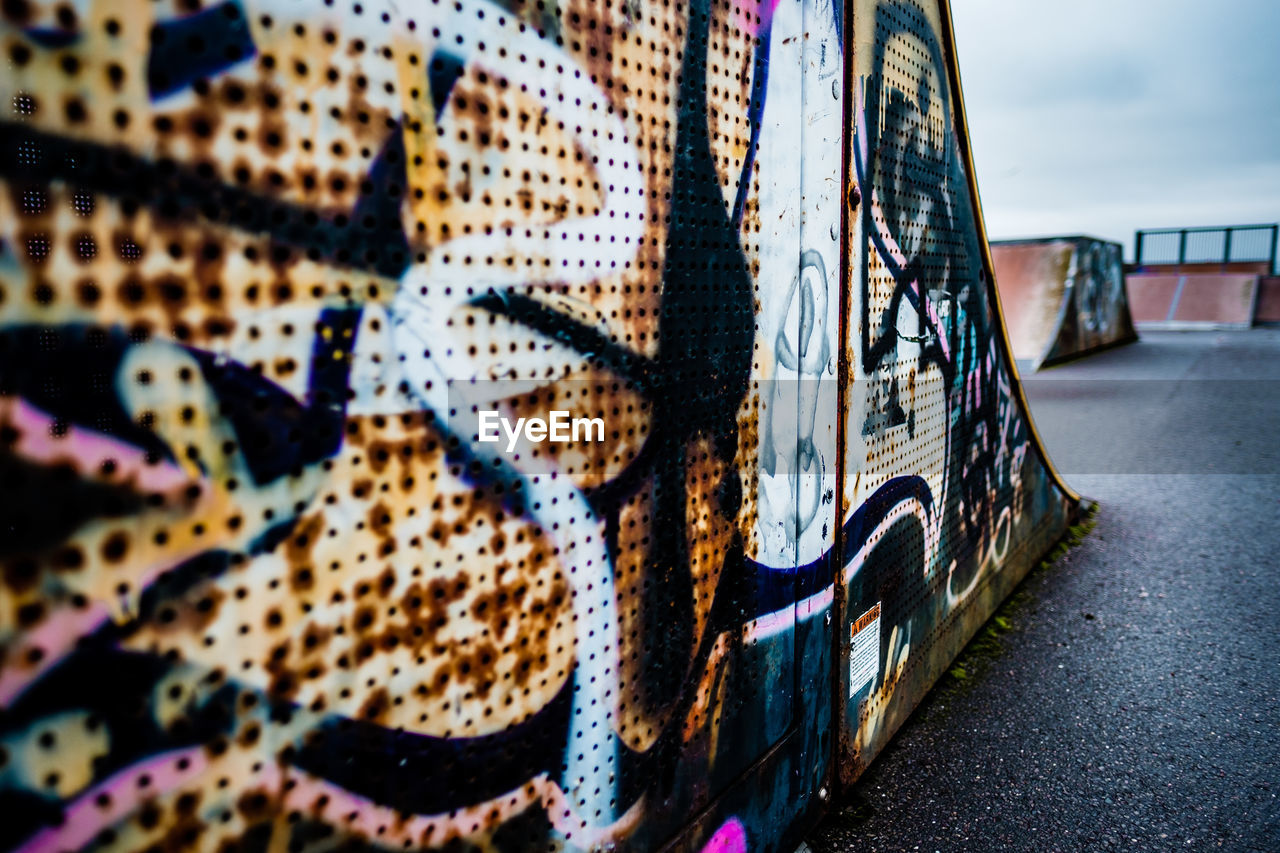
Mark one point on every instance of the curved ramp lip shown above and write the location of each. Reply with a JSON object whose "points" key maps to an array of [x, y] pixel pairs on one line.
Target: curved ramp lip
{"points": [[1046, 358], [988, 266]]}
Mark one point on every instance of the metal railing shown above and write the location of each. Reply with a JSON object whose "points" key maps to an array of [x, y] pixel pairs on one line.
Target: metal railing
{"points": [[1228, 244]]}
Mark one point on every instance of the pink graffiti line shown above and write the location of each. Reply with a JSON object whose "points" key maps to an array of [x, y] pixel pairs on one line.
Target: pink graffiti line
{"points": [[43, 646], [336, 806], [755, 17], [41, 439], [95, 456], [731, 837], [116, 798], [37, 650], [931, 311]]}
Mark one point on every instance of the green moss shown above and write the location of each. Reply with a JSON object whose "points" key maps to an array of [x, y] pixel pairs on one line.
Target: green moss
{"points": [[986, 644]]}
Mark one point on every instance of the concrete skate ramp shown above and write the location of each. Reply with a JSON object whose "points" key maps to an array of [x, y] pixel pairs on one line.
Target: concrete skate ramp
{"points": [[1063, 297], [1195, 300]]}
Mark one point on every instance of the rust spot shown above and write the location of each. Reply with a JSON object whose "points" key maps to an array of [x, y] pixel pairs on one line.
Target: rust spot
{"points": [[218, 327], [88, 293], [376, 706], [115, 547], [316, 637], [272, 137], [380, 519], [297, 548], [254, 805], [183, 836], [20, 574], [30, 614], [187, 802], [302, 580], [382, 452], [275, 660], [193, 615], [478, 667], [17, 11], [284, 685], [68, 557]]}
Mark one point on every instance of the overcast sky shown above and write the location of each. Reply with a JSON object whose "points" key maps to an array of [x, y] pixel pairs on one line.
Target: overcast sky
{"points": [[1105, 116]]}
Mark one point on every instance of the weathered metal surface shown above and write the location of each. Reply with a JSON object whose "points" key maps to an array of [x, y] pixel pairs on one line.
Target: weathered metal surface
{"points": [[946, 495], [1062, 298], [264, 584]]}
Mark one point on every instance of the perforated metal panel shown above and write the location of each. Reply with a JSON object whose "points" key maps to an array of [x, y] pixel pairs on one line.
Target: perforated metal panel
{"points": [[272, 273], [942, 480]]}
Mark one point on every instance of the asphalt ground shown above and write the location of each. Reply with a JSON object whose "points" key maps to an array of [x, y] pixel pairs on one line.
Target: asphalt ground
{"points": [[1130, 698]]}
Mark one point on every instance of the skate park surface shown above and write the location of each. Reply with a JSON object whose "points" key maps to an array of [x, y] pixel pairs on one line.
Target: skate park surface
{"points": [[1134, 703]]}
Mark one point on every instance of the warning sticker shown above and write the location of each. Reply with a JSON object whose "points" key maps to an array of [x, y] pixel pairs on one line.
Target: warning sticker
{"points": [[864, 649]]}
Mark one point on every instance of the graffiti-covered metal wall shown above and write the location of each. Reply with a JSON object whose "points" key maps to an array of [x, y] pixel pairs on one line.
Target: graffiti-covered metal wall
{"points": [[273, 274], [1063, 297], [946, 494]]}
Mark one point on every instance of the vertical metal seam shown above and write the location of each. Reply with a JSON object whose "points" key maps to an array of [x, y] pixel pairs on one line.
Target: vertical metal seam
{"points": [[843, 373]]}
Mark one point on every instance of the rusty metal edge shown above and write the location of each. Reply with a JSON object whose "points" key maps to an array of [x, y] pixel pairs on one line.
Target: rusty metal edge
{"points": [[844, 372], [993, 295]]}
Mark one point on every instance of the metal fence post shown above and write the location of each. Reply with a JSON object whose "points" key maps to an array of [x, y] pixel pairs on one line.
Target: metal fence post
{"points": [[1137, 249], [1226, 248], [1182, 247]]}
